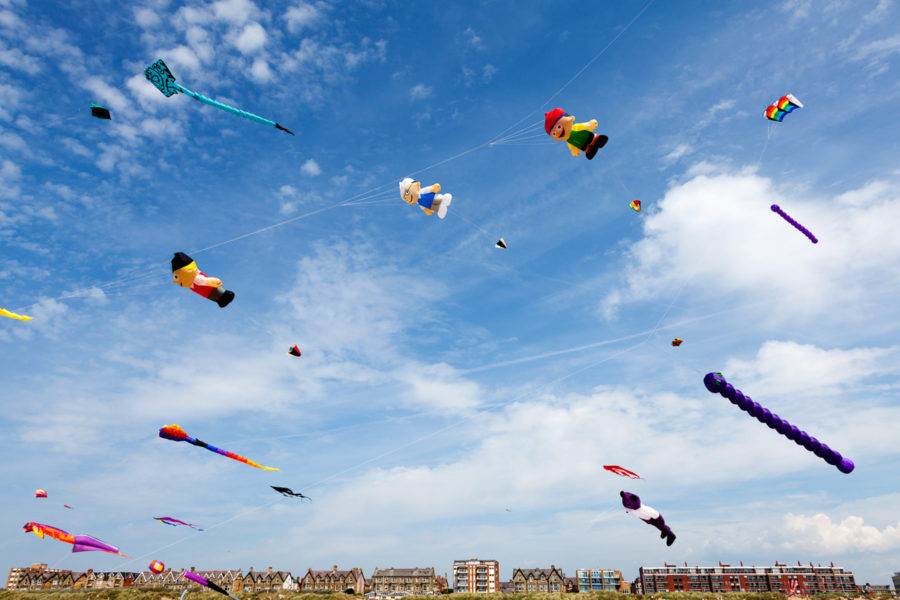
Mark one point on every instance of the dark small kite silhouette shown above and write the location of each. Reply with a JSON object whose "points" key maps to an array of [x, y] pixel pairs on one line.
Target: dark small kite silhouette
{"points": [[501, 243], [294, 351], [289, 492], [100, 112]]}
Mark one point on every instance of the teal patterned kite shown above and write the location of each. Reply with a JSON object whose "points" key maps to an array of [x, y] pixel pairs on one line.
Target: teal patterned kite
{"points": [[160, 76]]}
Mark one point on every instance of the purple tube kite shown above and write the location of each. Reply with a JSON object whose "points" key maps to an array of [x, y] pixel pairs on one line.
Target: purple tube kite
{"points": [[205, 582], [789, 219], [716, 384]]}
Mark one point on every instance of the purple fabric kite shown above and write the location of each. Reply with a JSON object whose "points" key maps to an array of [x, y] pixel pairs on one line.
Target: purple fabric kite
{"points": [[716, 384], [205, 582], [175, 522], [800, 228], [647, 514]]}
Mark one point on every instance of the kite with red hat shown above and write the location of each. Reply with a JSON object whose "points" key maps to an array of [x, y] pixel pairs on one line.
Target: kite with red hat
{"points": [[580, 137]]}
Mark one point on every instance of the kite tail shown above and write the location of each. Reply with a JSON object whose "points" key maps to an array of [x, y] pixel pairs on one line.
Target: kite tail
{"points": [[231, 109]]}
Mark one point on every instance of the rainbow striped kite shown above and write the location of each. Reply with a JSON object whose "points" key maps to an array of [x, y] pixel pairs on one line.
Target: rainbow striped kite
{"points": [[781, 107], [177, 434]]}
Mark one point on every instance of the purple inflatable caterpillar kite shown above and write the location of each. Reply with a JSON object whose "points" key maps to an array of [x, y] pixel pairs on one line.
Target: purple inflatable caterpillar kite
{"points": [[716, 384], [789, 219], [632, 504]]}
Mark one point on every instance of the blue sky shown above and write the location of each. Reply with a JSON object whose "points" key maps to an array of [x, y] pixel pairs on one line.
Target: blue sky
{"points": [[442, 380]]}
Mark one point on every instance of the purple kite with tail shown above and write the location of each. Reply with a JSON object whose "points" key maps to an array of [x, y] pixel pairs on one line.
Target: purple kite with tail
{"points": [[632, 504], [789, 219], [205, 582], [716, 384]]}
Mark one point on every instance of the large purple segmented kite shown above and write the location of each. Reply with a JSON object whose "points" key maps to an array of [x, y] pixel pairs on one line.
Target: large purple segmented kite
{"points": [[716, 384], [789, 219]]}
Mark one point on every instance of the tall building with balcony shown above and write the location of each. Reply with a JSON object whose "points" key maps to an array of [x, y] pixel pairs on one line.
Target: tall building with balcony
{"points": [[590, 580], [896, 580], [725, 578], [476, 576]]}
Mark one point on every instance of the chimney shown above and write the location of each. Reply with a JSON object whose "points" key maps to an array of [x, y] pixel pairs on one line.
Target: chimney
{"points": [[269, 571], [251, 568], [334, 569], [192, 569]]}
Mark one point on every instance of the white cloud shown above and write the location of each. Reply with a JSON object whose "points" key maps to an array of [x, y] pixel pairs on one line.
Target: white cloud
{"points": [[260, 70], [472, 39], [182, 58], [302, 15], [146, 17], [819, 534], [14, 58], [200, 42], [788, 367], [420, 91], [10, 97], [10, 173], [700, 235], [108, 95], [677, 152], [234, 11], [311, 168], [251, 39]]}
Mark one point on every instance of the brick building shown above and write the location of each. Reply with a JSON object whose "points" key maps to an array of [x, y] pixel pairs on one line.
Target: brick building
{"points": [[336, 580], [404, 582], [590, 580], [476, 576], [725, 578], [531, 581]]}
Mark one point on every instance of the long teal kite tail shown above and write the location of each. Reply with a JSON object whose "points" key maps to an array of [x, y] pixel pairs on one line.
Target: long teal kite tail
{"points": [[160, 76], [225, 107]]}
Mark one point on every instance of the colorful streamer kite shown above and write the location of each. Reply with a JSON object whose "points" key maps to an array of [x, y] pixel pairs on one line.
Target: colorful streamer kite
{"points": [[39, 493], [716, 384], [177, 434], [13, 315], [635, 205], [175, 522], [622, 471], [80, 543], [205, 582], [159, 75], [781, 107], [800, 228]]}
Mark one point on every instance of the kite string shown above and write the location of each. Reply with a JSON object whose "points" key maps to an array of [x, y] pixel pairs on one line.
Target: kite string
{"points": [[582, 70]]}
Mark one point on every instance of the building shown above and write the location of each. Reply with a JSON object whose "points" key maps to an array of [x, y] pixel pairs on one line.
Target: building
{"points": [[334, 580], [261, 581], [725, 578], [403, 582], [896, 580], [476, 576], [16, 574], [590, 580], [636, 586], [868, 588], [531, 581]]}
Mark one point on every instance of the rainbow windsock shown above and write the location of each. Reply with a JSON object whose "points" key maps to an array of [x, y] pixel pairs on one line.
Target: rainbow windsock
{"points": [[177, 434]]}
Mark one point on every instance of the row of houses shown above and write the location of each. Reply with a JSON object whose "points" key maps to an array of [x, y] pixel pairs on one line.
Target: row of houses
{"points": [[418, 580], [470, 575]]}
